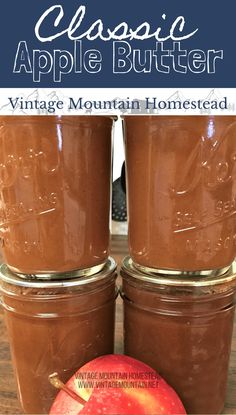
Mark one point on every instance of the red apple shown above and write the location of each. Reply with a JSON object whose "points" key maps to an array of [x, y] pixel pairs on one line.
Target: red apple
{"points": [[117, 384]]}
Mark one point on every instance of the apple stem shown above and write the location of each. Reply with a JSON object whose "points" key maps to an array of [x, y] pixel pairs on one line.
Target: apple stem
{"points": [[57, 383]]}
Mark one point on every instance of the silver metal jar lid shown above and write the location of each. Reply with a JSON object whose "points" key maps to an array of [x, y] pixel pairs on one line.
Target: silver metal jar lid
{"points": [[7, 276], [178, 280], [85, 272], [186, 274]]}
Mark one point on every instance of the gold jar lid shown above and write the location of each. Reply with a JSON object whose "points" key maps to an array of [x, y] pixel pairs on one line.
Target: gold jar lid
{"points": [[9, 277], [177, 280], [186, 274], [50, 276]]}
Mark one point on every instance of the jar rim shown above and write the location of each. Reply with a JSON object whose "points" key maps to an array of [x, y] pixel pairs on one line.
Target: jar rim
{"points": [[7, 276], [54, 119], [157, 116]]}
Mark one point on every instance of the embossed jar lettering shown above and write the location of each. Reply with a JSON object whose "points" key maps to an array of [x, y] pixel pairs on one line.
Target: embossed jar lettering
{"points": [[55, 192], [181, 174]]}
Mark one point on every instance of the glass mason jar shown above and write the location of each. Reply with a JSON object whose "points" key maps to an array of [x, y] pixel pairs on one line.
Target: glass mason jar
{"points": [[56, 326], [183, 329], [181, 191], [55, 179]]}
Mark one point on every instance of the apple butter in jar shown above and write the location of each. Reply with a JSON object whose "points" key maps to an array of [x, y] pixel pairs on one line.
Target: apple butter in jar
{"points": [[183, 329], [56, 326], [181, 187], [55, 179]]}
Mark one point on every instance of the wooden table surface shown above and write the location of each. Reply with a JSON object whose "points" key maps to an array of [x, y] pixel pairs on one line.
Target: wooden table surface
{"points": [[8, 398]]}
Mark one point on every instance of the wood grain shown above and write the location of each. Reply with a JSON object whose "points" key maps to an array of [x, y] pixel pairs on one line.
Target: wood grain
{"points": [[8, 397]]}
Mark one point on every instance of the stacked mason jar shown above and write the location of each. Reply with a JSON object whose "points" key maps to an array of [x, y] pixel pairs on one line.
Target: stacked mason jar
{"points": [[58, 282], [179, 281]]}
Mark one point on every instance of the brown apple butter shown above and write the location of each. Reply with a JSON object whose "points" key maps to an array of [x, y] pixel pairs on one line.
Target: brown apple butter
{"points": [[55, 176], [181, 183], [183, 329], [56, 327]]}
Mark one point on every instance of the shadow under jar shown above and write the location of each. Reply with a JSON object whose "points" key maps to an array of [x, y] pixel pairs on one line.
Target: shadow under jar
{"points": [[183, 329], [181, 189], [55, 179], [56, 327]]}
